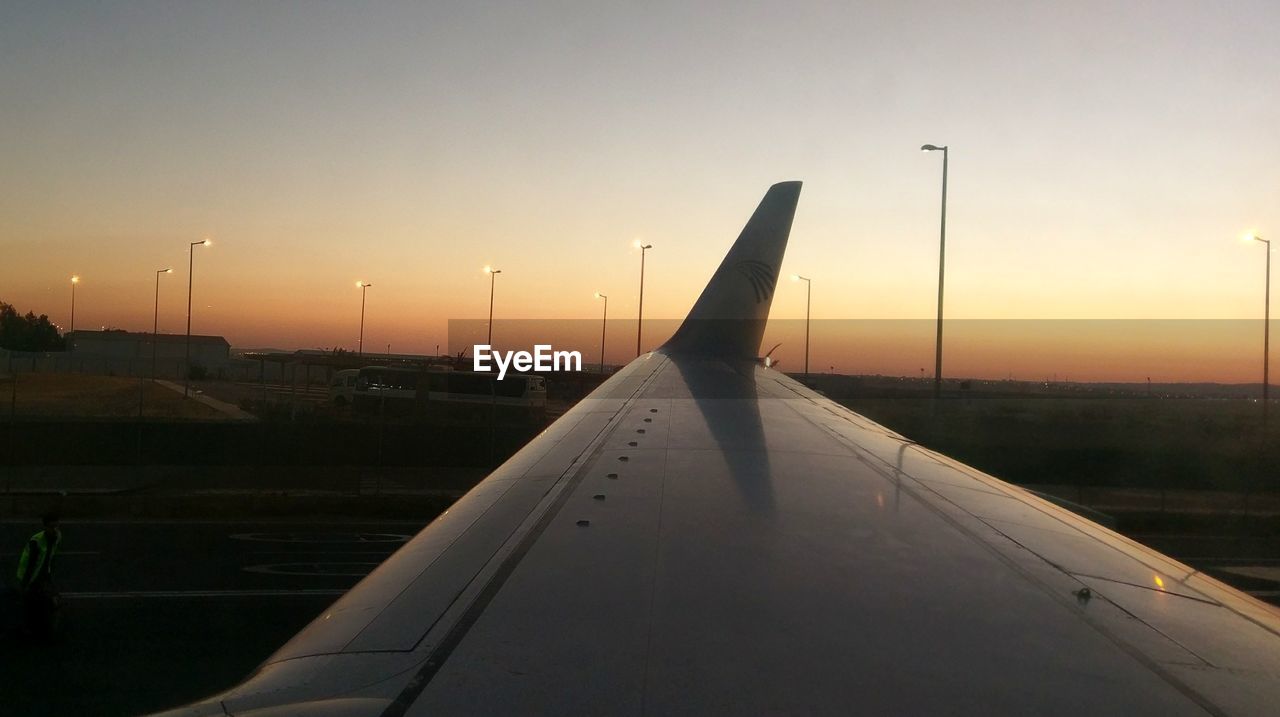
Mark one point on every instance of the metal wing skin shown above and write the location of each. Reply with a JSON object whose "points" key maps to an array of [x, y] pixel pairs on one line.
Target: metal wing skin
{"points": [[703, 535]]}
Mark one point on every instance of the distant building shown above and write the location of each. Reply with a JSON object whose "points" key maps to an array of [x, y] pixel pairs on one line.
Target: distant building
{"points": [[213, 353]]}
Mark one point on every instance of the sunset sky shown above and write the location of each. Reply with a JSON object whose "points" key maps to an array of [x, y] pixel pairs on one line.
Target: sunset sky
{"points": [[1105, 159]]}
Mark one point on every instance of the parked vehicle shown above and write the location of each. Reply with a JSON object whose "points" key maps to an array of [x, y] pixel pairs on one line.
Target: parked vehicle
{"points": [[460, 394], [342, 387]]}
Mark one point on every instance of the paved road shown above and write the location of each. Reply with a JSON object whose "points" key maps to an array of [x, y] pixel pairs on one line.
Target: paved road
{"points": [[159, 613]]}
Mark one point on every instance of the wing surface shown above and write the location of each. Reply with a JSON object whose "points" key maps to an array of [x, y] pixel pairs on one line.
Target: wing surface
{"points": [[704, 535]]}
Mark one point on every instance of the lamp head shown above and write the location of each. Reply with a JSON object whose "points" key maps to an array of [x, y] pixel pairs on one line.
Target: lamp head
{"points": [[931, 148], [167, 271], [600, 296], [75, 280]]}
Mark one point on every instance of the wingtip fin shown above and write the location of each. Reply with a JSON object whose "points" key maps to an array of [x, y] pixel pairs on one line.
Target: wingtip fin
{"points": [[729, 317]]}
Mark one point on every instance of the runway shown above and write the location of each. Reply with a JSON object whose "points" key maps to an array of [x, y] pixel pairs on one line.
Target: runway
{"points": [[156, 614]]}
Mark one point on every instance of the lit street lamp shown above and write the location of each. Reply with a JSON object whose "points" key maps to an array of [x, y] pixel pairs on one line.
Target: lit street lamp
{"points": [[808, 296], [363, 286], [1266, 325], [604, 323], [74, 280], [493, 275], [640, 317], [155, 321], [191, 265], [942, 261]]}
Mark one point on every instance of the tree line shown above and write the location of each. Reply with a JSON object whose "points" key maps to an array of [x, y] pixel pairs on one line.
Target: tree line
{"points": [[28, 332]]}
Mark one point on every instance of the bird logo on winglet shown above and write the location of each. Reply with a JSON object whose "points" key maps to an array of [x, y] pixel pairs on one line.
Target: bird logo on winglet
{"points": [[761, 275]]}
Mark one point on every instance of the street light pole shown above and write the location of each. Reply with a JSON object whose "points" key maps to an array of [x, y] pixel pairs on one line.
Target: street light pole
{"points": [[640, 317], [191, 265], [74, 280], [942, 263], [363, 286], [808, 298], [493, 275], [155, 321], [604, 323], [1266, 328]]}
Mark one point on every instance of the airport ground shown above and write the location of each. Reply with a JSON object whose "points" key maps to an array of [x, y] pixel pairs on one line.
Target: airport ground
{"points": [[159, 612], [205, 543], [1080, 434], [156, 613], [48, 395]]}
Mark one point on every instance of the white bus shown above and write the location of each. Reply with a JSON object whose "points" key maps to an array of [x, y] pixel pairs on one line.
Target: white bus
{"points": [[342, 387]]}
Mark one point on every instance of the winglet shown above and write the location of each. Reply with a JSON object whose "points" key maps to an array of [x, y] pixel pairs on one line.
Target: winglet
{"points": [[729, 317]]}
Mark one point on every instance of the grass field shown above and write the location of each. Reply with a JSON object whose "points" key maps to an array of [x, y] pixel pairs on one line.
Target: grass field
{"points": [[69, 395], [1165, 443], [1030, 434]]}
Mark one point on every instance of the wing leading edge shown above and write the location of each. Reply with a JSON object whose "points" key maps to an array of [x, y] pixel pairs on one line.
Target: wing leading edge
{"points": [[705, 535]]}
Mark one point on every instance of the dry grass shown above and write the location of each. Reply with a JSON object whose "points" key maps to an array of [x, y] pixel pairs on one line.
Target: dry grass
{"points": [[83, 396]]}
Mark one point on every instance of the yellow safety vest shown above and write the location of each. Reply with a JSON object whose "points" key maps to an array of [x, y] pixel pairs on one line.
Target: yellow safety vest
{"points": [[36, 562]]}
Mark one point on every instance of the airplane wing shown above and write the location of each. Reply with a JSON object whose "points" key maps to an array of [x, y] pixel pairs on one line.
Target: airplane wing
{"points": [[704, 535]]}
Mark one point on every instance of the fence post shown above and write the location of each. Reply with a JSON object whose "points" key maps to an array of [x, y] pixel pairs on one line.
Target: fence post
{"points": [[13, 421]]}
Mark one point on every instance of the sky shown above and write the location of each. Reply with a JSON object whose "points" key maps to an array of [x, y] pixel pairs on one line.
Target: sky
{"points": [[1105, 158]]}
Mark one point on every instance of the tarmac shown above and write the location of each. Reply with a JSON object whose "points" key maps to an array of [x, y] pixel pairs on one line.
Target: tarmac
{"points": [[159, 613], [230, 492]]}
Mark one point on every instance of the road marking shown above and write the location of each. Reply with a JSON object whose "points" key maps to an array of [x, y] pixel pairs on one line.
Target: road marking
{"points": [[322, 538], [61, 553], [314, 569], [380, 554], [278, 523], [139, 594]]}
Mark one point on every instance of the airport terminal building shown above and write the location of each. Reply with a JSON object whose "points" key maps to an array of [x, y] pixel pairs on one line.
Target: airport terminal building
{"points": [[125, 352], [127, 344]]}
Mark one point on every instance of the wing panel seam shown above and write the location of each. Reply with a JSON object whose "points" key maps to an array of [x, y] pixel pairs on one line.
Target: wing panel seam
{"points": [[438, 656]]}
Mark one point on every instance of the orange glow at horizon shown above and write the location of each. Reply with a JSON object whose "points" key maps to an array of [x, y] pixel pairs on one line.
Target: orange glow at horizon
{"points": [[321, 151]]}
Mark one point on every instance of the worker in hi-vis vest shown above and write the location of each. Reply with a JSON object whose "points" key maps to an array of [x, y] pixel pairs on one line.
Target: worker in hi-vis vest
{"points": [[35, 578]]}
